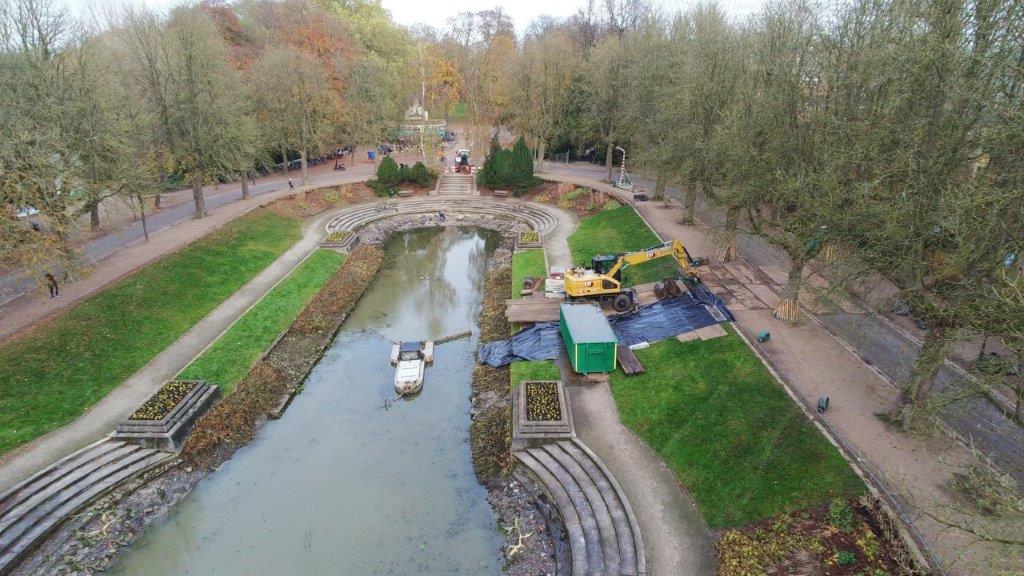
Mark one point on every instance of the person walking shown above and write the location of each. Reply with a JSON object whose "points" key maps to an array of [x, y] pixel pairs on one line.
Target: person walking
{"points": [[291, 185], [51, 283]]}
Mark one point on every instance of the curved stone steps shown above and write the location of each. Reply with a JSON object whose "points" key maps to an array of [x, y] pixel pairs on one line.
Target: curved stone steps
{"points": [[355, 219], [604, 537], [37, 506], [360, 216]]}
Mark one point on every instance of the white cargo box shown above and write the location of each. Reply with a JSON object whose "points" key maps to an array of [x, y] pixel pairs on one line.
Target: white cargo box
{"points": [[554, 288]]}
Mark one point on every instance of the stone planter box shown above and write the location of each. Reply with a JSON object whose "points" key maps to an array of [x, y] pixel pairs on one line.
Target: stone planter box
{"points": [[523, 244], [526, 432], [346, 244], [169, 432]]}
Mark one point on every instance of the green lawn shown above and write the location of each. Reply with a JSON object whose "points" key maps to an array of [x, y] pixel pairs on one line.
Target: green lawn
{"points": [[52, 375], [228, 360], [729, 431], [536, 370], [526, 263], [620, 230]]}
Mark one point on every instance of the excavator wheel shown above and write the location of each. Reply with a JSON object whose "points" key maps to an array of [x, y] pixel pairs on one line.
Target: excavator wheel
{"points": [[621, 303], [660, 290]]}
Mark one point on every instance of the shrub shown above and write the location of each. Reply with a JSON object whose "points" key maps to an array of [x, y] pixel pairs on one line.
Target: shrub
{"points": [[845, 558], [509, 169], [388, 172], [379, 188], [521, 164], [404, 173], [422, 176], [840, 515]]}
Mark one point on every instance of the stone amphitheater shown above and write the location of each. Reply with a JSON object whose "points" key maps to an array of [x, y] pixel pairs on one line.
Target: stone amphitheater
{"points": [[536, 216]]}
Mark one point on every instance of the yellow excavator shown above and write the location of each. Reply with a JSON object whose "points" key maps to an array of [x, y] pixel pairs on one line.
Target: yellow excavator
{"points": [[603, 280]]}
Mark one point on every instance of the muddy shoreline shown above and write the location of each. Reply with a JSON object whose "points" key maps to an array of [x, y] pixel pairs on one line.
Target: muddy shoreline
{"points": [[535, 540]]}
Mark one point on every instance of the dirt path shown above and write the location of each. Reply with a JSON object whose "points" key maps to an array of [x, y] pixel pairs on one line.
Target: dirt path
{"points": [[812, 362]]}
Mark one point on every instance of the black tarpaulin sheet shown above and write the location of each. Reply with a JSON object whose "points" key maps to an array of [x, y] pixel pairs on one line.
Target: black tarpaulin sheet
{"points": [[538, 342], [666, 318]]}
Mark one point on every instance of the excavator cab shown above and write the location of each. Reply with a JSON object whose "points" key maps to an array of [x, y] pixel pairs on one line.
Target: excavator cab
{"points": [[602, 264]]}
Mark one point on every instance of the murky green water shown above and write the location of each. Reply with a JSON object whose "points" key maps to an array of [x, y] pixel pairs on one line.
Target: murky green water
{"points": [[341, 486]]}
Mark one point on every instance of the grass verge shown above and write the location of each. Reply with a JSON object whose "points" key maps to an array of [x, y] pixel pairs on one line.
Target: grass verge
{"points": [[229, 359], [526, 263], [620, 230], [728, 430], [53, 374], [536, 370], [280, 373]]}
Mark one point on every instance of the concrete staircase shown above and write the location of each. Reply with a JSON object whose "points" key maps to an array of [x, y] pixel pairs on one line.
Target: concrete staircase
{"points": [[35, 508], [534, 215], [455, 184], [604, 537]]}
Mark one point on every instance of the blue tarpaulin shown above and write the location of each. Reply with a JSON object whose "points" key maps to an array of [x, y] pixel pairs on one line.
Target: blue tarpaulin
{"points": [[666, 318]]}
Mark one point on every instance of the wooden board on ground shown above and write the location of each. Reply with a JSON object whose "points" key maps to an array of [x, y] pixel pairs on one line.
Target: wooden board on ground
{"points": [[710, 332], [627, 359]]}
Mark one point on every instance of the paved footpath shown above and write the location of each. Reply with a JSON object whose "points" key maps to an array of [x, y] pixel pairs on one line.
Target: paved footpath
{"points": [[812, 362], [102, 418], [676, 539], [124, 253]]}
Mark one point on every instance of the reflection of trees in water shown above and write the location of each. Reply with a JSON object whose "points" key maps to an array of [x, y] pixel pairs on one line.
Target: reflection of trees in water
{"points": [[422, 257]]}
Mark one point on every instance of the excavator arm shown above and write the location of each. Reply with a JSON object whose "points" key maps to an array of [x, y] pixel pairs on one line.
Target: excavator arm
{"points": [[674, 248]]}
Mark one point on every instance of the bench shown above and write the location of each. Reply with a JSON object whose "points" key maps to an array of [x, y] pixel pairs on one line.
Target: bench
{"points": [[405, 193], [501, 193]]}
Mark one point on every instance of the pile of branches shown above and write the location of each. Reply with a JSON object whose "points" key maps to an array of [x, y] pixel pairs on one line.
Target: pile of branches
{"points": [[490, 433], [232, 423]]}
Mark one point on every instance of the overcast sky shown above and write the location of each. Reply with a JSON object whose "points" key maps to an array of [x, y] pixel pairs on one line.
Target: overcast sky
{"points": [[436, 13]]}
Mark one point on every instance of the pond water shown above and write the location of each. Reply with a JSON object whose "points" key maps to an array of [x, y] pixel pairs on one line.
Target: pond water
{"points": [[341, 485]]}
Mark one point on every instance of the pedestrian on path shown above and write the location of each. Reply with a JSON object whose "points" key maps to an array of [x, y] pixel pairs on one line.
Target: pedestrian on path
{"points": [[291, 185], [51, 283]]}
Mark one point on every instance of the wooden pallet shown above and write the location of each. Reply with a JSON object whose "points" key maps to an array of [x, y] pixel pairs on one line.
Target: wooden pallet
{"points": [[627, 359]]}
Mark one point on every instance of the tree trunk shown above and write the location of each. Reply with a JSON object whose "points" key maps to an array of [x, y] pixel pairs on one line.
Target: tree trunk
{"points": [[142, 214], [284, 160], [305, 168], [94, 215], [689, 202], [245, 186], [788, 308], [728, 249], [197, 196], [540, 154], [659, 184], [156, 201], [609, 156], [938, 342]]}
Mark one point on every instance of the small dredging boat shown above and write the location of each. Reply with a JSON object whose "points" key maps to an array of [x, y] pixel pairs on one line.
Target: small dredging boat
{"points": [[410, 359]]}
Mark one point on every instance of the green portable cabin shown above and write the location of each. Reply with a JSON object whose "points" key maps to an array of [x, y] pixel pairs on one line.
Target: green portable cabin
{"points": [[588, 338]]}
